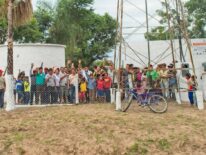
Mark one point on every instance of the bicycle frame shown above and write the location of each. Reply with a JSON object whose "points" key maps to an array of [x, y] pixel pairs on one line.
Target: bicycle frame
{"points": [[144, 97]]}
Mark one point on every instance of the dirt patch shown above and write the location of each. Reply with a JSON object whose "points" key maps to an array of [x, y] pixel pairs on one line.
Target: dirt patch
{"points": [[94, 129]]}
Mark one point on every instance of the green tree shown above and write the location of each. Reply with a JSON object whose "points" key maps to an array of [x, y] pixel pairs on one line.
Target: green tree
{"points": [[162, 32], [197, 18], [87, 35], [3, 30], [17, 13], [44, 15], [29, 33], [35, 30], [196, 21]]}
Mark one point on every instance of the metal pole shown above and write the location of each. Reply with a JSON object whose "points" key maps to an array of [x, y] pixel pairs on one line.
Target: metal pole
{"points": [[120, 45], [182, 58], [118, 93], [186, 36], [170, 33], [148, 40], [116, 40]]}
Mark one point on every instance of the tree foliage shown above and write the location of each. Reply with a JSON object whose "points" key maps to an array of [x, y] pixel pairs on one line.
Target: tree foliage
{"points": [[197, 18], [88, 36], [196, 21], [28, 33]]}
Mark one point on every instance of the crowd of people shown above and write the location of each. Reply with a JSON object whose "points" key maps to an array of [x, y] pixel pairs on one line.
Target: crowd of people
{"points": [[58, 85]]}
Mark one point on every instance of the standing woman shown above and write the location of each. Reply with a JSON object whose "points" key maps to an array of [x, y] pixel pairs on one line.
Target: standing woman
{"points": [[57, 87], [2, 89], [72, 86]]}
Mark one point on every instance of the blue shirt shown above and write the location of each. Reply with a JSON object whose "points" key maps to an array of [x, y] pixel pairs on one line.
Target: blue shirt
{"points": [[91, 83], [19, 85]]}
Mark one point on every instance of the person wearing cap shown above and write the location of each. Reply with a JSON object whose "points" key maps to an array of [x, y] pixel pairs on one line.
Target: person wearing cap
{"points": [[152, 76], [40, 83], [172, 80], [2, 89], [164, 82], [33, 74]]}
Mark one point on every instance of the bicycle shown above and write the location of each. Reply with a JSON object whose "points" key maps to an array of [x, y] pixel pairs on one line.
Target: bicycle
{"points": [[152, 99]]}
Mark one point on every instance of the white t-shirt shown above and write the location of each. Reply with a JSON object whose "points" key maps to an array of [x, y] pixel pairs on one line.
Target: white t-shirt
{"points": [[51, 81], [64, 81], [72, 79], [57, 80]]}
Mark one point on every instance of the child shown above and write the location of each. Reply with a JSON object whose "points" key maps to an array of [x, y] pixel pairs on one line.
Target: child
{"points": [[190, 84], [100, 88], [26, 90], [91, 87], [20, 89], [83, 90]]}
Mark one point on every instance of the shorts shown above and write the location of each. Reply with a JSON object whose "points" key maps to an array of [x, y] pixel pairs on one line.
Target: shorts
{"points": [[63, 91], [20, 95], [100, 93]]}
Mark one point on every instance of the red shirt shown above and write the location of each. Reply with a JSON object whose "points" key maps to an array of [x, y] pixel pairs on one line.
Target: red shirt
{"points": [[107, 82], [100, 84]]}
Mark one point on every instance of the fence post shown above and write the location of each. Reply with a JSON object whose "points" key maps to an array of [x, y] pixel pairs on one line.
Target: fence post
{"points": [[76, 89], [200, 102], [10, 103], [112, 92], [177, 96], [118, 101]]}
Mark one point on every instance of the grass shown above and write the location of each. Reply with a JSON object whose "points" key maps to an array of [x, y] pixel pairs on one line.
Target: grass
{"points": [[98, 129]]}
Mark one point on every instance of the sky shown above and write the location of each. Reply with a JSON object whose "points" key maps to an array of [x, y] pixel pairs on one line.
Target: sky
{"points": [[134, 15]]}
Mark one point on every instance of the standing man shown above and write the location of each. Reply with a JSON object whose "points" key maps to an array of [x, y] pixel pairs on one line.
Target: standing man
{"points": [[40, 83], [33, 74], [72, 86], [2, 89], [63, 85], [172, 81], [57, 86], [50, 82], [164, 83]]}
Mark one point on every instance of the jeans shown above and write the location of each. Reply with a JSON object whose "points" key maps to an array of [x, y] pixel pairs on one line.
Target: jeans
{"points": [[92, 95], [190, 95], [51, 94], [165, 88], [72, 94], [46, 95], [1, 98], [40, 93], [57, 94], [172, 87], [107, 94], [33, 94], [26, 97], [63, 93]]}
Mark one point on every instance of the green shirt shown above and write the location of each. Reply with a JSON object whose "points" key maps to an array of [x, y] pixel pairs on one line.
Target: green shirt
{"points": [[153, 74], [40, 79]]}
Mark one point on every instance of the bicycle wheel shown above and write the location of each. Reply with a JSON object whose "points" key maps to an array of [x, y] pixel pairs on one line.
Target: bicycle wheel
{"points": [[126, 102], [157, 104]]}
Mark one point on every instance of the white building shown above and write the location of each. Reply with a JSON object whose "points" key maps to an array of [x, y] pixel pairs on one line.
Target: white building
{"points": [[26, 54]]}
